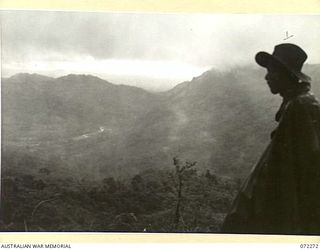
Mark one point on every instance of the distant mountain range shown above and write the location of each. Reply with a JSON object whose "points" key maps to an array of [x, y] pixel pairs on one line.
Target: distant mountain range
{"points": [[86, 126]]}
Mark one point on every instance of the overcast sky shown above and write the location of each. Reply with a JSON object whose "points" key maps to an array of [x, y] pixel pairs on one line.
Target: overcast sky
{"points": [[153, 51]]}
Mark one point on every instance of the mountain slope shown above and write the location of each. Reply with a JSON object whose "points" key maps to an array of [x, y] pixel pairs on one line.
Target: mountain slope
{"points": [[46, 117], [85, 126], [223, 120]]}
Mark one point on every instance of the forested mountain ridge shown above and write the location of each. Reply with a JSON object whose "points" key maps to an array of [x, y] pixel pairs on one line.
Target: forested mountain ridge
{"points": [[81, 122]]}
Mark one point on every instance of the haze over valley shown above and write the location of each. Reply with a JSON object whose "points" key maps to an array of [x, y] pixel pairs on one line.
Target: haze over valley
{"points": [[83, 125]]}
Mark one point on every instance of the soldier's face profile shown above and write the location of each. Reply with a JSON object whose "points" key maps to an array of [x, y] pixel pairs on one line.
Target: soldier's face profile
{"points": [[275, 78]]}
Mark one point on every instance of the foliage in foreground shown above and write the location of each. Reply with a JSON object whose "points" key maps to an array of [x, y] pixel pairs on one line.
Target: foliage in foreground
{"points": [[147, 202]]}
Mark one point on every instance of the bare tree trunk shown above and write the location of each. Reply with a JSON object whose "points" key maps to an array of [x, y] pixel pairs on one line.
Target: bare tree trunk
{"points": [[177, 219], [179, 173]]}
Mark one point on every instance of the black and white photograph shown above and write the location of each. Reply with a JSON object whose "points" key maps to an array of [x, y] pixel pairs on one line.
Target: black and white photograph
{"points": [[160, 122]]}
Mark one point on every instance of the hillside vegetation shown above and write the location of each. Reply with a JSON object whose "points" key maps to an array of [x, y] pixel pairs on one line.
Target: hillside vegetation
{"points": [[82, 154]]}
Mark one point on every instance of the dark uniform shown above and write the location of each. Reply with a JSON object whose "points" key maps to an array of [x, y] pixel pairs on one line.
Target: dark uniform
{"points": [[282, 193]]}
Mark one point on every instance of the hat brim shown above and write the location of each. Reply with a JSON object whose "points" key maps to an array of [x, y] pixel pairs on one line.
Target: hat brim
{"points": [[264, 59]]}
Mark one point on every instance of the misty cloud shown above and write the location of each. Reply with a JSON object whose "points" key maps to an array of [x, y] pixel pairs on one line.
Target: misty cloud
{"points": [[198, 40]]}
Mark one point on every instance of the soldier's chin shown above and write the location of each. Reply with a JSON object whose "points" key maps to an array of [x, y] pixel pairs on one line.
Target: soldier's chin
{"points": [[274, 91]]}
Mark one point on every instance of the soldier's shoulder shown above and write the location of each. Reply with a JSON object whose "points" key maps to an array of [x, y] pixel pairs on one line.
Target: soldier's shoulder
{"points": [[304, 103], [305, 99]]}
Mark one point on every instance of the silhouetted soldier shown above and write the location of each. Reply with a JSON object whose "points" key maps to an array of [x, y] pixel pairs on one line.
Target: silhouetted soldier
{"points": [[282, 193]]}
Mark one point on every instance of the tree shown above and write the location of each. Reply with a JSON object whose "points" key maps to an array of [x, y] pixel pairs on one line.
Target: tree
{"points": [[180, 172]]}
